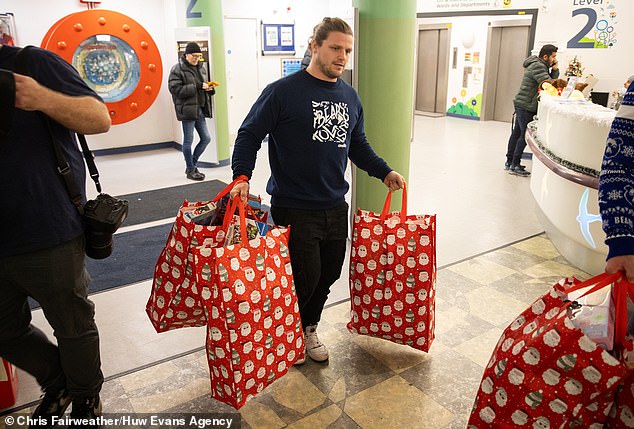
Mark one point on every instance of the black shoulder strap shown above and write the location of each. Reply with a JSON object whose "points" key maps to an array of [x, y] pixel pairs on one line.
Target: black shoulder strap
{"points": [[63, 167]]}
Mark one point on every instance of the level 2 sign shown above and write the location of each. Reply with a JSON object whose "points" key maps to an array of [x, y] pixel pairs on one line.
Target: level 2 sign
{"points": [[599, 29]]}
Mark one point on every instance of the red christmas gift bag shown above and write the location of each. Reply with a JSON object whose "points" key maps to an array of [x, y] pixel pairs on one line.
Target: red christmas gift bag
{"points": [[622, 412], [545, 372], [254, 332], [8, 384], [174, 301], [393, 276]]}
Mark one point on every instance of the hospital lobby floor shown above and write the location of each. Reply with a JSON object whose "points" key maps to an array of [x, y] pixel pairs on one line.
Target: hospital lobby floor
{"points": [[493, 260]]}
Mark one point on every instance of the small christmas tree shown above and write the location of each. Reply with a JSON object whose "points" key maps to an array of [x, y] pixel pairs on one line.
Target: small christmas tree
{"points": [[574, 68]]}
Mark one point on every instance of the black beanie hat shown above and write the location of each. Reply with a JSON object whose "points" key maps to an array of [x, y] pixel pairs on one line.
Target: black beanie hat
{"points": [[192, 48]]}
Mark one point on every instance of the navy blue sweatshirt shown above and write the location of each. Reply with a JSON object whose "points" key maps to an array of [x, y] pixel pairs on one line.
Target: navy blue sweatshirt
{"points": [[314, 126], [616, 183]]}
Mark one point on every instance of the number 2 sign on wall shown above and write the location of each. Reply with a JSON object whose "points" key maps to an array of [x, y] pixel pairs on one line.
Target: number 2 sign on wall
{"points": [[190, 10], [599, 29]]}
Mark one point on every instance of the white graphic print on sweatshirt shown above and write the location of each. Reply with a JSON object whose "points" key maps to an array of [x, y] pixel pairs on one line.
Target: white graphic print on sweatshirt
{"points": [[330, 122]]}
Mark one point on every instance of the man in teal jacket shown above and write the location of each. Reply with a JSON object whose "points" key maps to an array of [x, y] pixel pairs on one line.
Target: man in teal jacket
{"points": [[536, 70]]}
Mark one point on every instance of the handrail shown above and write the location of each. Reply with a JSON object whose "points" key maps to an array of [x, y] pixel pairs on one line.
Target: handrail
{"points": [[558, 169]]}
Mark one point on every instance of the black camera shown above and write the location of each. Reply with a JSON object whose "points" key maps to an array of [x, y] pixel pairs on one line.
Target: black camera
{"points": [[103, 216]]}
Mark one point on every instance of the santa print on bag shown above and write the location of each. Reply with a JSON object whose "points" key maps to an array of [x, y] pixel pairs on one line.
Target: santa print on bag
{"points": [[174, 301], [545, 373], [254, 330]]}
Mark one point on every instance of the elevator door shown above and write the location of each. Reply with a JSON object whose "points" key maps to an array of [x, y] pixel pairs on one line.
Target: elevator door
{"points": [[511, 44], [432, 70]]}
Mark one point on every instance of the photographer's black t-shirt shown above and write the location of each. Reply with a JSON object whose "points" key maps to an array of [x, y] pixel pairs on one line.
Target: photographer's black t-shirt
{"points": [[35, 209]]}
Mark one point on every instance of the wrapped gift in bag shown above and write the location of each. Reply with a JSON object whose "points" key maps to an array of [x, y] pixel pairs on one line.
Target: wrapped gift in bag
{"points": [[254, 207], [545, 372], [174, 300], [393, 276], [254, 331]]}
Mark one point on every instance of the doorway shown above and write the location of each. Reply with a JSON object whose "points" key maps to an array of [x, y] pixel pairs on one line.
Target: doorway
{"points": [[241, 44], [432, 70], [508, 44]]}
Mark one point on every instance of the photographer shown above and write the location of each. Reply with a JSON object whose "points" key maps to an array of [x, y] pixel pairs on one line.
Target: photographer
{"points": [[42, 246]]}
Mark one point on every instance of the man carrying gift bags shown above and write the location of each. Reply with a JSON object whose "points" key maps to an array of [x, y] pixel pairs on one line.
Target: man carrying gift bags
{"points": [[315, 123]]}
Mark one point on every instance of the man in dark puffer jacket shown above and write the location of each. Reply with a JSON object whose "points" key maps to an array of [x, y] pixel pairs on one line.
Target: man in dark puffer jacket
{"points": [[190, 89], [536, 70]]}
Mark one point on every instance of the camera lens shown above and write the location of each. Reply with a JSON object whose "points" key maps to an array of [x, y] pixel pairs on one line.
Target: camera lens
{"points": [[98, 244]]}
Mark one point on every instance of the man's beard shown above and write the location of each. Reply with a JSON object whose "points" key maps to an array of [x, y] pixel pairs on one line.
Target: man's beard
{"points": [[326, 71]]}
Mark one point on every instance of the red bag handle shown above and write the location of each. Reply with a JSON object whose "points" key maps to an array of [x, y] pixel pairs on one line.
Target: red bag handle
{"points": [[229, 187], [236, 202], [388, 203], [231, 209], [599, 282], [621, 291]]}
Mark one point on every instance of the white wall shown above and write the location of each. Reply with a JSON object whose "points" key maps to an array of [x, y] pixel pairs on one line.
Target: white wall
{"points": [[469, 35], [611, 66]]}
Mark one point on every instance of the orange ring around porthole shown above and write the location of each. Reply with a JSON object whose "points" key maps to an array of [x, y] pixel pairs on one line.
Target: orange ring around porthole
{"points": [[66, 35]]}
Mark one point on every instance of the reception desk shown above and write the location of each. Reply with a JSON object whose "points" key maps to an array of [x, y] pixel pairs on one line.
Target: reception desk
{"points": [[567, 140]]}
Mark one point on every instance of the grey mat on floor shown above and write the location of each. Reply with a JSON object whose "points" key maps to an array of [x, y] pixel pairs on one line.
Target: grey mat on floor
{"points": [[163, 203]]}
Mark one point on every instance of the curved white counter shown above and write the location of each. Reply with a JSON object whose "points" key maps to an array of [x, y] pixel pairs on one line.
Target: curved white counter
{"points": [[568, 140]]}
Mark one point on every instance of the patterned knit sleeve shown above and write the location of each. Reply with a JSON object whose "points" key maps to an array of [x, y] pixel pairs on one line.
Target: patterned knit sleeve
{"points": [[616, 182]]}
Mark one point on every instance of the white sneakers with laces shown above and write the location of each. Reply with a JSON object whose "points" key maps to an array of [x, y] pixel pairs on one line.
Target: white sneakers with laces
{"points": [[314, 348]]}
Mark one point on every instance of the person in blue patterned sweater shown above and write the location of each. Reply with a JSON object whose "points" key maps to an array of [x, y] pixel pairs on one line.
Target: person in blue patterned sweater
{"points": [[616, 189]]}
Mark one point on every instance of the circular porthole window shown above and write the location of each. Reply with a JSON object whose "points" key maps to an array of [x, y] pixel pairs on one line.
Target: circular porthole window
{"points": [[108, 65], [114, 55]]}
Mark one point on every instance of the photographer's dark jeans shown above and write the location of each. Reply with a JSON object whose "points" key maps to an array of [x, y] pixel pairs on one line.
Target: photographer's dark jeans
{"points": [[58, 280], [517, 141], [188, 138], [317, 248]]}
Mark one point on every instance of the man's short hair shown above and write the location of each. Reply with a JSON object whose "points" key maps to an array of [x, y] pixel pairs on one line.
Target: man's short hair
{"points": [[547, 50], [328, 25]]}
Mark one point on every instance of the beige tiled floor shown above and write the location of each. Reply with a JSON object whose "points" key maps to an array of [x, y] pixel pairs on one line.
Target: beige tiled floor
{"points": [[456, 172], [369, 382]]}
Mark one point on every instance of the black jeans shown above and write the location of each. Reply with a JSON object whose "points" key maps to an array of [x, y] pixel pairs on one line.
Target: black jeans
{"points": [[517, 141], [317, 248], [58, 280]]}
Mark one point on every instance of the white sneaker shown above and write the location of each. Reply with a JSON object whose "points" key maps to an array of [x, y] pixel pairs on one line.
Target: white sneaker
{"points": [[314, 348]]}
